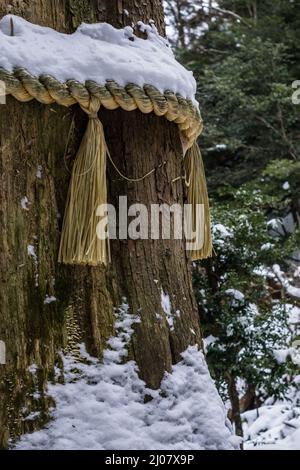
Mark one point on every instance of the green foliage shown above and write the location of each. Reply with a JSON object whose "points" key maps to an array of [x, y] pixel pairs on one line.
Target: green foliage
{"points": [[283, 169], [245, 55], [245, 70], [235, 298]]}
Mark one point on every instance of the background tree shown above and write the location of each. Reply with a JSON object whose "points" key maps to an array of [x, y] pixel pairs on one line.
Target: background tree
{"points": [[44, 306], [245, 313], [245, 55], [245, 62]]}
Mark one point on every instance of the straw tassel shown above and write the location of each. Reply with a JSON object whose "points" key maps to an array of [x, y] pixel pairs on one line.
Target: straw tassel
{"points": [[200, 221], [88, 189]]}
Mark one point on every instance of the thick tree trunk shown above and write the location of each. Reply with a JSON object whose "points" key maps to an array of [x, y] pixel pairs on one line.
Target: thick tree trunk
{"points": [[37, 147]]}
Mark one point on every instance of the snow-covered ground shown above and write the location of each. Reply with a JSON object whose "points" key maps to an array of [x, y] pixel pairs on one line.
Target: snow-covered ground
{"points": [[105, 405], [274, 426], [102, 406]]}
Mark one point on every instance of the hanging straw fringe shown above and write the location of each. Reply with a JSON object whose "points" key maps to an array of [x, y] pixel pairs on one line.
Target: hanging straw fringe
{"points": [[79, 241], [88, 190], [199, 223]]}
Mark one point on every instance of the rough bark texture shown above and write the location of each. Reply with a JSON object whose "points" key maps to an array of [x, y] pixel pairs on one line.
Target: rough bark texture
{"points": [[235, 414], [36, 138]]}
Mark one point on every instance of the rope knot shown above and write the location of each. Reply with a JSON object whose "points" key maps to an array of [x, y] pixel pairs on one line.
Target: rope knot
{"points": [[92, 108]]}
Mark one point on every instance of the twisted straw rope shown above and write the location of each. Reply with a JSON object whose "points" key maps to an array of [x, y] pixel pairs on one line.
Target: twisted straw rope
{"points": [[25, 87]]}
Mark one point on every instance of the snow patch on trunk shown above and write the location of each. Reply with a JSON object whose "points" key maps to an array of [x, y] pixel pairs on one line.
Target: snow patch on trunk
{"points": [[167, 308]]}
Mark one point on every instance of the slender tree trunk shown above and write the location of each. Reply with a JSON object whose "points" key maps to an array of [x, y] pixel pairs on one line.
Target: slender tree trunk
{"points": [[235, 404], [247, 402], [37, 148], [180, 26]]}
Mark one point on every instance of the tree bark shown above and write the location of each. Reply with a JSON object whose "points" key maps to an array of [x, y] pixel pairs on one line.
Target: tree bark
{"points": [[42, 140], [235, 414]]}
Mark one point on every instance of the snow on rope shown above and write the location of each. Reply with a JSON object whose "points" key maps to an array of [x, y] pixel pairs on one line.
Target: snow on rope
{"points": [[114, 66]]}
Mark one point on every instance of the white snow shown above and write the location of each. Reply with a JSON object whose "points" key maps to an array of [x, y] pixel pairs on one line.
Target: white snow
{"points": [[275, 224], [280, 226], [222, 230], [281, 355], [31, 252], [208, 341], [39, 172], [101, 406], [221, 234], [294, 314], [262, 271], [33, 369], [167, 308], [49, 299], [221, 146], [293, 291], [32, 416], [290, 290], [274, 426], [25, 203], [266, 246], [237, 297], [297, 270], [286, 186], [97, 52], [236, 294]]}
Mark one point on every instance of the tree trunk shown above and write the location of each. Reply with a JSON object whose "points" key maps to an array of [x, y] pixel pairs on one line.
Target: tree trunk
{"points": [[37, 147], [235, 414], [180, 26]]}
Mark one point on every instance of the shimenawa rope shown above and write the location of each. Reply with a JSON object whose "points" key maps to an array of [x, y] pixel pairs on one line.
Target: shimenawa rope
{"points": [[88, 187]]}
